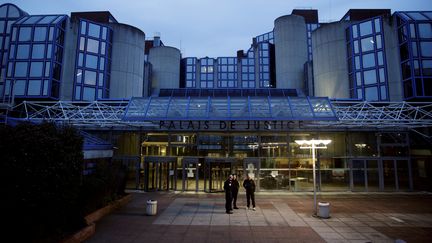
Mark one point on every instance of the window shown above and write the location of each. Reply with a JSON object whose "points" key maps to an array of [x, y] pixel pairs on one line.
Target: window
{"points": [[92, 46], [368, 60], [89, 93], [94, 30], [20, 69], [425, 30], [25, 34], [23, 51], [36, 69], [426, 48], [34, 87], [19, 87], [371, 93], [427, 67], [38, 51], [90, 78], [366, 28], [367, 44], [370, 77], [91, 61], [40, 34]]}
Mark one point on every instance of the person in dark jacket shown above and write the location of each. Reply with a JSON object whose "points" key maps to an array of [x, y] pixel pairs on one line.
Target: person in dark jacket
{"points": [[235, 189], [228, 185], [249, 185]]}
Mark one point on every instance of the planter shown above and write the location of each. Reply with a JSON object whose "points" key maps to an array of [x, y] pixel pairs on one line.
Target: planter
{"points": [[91, 219]]}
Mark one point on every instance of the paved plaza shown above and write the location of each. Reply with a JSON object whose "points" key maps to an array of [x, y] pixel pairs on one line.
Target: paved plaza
{"points": [[355, 217]]}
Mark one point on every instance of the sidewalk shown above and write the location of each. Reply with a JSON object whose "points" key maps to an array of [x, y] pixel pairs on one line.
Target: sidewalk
{"points": [[355, 217]]}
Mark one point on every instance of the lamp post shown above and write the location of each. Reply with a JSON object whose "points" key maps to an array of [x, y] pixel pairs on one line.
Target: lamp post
{"points": [[313, 144]]}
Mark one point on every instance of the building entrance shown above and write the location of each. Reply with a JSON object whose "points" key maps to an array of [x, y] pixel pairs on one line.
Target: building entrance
{"points": [[216, 173], [365, 175], [160, 173], [193, 174]]}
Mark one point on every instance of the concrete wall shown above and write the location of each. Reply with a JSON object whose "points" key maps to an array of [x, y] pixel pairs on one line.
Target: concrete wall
{"points": [[393, 61], [166, 68], [330, 66], [290, 51], [127, 66], [69, 57]]}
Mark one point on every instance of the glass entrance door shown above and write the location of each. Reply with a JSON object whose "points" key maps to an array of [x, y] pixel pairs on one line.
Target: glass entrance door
{"points": [[251, 167], [397, 175], [365, 175], [217, 172], [160, 174]]}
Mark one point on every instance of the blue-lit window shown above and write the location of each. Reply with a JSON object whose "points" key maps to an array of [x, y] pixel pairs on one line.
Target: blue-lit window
{"points": [[248, 70], [227, 72], [309, 29], [206, 72], [33, 62], [264, 64], [9, 13], [415, 52], [93, 61], [366, 61]]}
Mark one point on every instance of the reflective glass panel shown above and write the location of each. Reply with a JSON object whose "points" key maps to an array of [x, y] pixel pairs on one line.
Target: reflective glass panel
{"points": [[83, 27], [38, 51], [94, 30], [426, 49], [91, 61], [20, 69], [377, 25], [369, 77], [88, 93], [425, 30], [36, 69], [427, 67], [34, 87], [90, 77], [383, 92], [92, 46], [45, 87], [25, 34], [19, 87], [367, 44], [380, 58], [366, 28], [368, 60], [40, 34], [23, 52], [371, 93], [382, 75], [78, 92]]}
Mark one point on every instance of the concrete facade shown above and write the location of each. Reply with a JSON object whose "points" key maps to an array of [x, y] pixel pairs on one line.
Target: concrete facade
{"points": [[393, 64], [166, 68], [69, 58], [127, 65], [290, 51], [330, 61]]}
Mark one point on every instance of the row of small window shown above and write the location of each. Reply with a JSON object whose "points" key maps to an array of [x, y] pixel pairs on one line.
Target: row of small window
{"points": [[227, 84], [366, 28], [206, 84], [91, 61], [38, 51], [31, 87], [366, 44], [89, 93], [33, 34], [408, 16], [420, 87], [423, 49], [222, 84], [227, 76], [227, 68], [248, 84], [29, 69], [94, 46], [41, 19], [227, 60], [425, 69], [93, 30], [370, 77], [367, 61], [266, 37], [419, 30], [373, 93], [90, 77]]}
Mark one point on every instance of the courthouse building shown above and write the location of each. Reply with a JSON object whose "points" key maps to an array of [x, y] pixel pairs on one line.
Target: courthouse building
{"points": [[185, 123]]}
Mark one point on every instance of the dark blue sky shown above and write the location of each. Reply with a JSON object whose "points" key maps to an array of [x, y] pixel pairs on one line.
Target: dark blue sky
{"points": [[210, 27]]}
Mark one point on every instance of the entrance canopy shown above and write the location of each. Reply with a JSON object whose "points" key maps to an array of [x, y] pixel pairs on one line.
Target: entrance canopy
{"points": [[229, 108]]}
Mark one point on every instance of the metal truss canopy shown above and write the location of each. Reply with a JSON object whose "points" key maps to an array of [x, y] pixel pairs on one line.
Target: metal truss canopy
{"points": [[142, 113]]}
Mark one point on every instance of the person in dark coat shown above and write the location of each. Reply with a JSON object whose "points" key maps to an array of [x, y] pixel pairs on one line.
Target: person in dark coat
{"points": [[235, 189], [249, 185], [228, 185]]}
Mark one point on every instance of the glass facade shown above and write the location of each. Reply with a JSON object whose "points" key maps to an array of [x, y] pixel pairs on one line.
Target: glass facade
{"points": [[248, 70], [9, 13], [92, 67], [367, 61], [310, 28], [190, 80], [266, 37], [415, 49], [227, 72], [207, 72], [36, 56], [264, 65]]}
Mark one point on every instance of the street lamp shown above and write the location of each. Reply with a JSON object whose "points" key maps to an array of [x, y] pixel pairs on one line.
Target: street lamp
{"points": [[313, 144]]}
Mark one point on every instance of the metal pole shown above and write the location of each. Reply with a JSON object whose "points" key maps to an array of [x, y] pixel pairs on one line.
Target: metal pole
{"points": [[314, 179]]}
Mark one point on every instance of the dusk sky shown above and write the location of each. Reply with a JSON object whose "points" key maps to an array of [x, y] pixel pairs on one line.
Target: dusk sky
{"points": [[202, 28]]}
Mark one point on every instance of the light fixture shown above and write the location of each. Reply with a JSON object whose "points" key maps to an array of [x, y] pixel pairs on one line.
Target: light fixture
{"points": [[313, 144]]}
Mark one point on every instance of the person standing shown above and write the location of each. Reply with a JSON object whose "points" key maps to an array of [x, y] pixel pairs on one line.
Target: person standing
{"points": [[228, 185], [235, 189], [249, 185]]}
